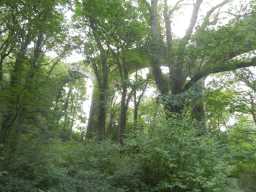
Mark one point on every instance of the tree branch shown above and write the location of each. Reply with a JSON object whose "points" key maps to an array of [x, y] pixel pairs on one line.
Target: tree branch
{"points": [[145, 3], [175, 7], [229, 66], [189, 31], [193, 20], [211, 11]]}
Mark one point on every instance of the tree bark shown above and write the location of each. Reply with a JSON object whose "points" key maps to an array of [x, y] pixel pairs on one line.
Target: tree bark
{"points": [[98, 112], [254, 116], [66, 107], [92, 121], [13, 112], [198, 107], [156, 50], [123, 114], [103, 96], [137, 101]]}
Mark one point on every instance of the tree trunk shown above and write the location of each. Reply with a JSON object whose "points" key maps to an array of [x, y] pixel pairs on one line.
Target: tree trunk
{"points": [[123, 114], [137, 101], [1, 74], [253, 110], [66, 107], [13, 112], [12, 126], [111, 132], [156, 50], [254, 117], [18, 66], [198, 108], [103, 96], [135, 115], [98, 112], [92, 121]]}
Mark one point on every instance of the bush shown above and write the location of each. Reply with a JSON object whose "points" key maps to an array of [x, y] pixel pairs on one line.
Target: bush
{"points": [[176, 158], [172, 158]]}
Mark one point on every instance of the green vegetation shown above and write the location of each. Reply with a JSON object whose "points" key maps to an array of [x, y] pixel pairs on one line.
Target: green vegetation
{"points": [[168, 112]]}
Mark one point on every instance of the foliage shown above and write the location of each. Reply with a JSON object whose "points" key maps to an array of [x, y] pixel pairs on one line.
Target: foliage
{"points": [[174, 157], [170, 141], [241, 139]]}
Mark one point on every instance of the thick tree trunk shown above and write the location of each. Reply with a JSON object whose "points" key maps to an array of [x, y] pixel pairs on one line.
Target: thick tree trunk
{"points": [[111, 131], [254, 117], [176, 72], [198, 108], [12, 126], [110, 127], [156, 50], [7, 123], [137, 101], [13, 112], [1, 74], [174, 109], [98, 112], [135, 115], [253, 110], [66, 107], [123, 115], [103, 100], [18, 66], [92, 121], [174, 104]]}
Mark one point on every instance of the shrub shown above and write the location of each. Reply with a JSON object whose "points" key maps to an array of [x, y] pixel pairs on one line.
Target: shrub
{"points": [[173, 157]]}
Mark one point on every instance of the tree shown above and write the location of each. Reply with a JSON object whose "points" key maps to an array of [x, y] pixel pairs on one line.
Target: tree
{"points": [[199, 53], [106, 50], [247, 98], [29, 30]]}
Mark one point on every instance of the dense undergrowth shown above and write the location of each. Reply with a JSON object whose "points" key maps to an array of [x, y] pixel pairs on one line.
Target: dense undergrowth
{"points": [[173, 158]]}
